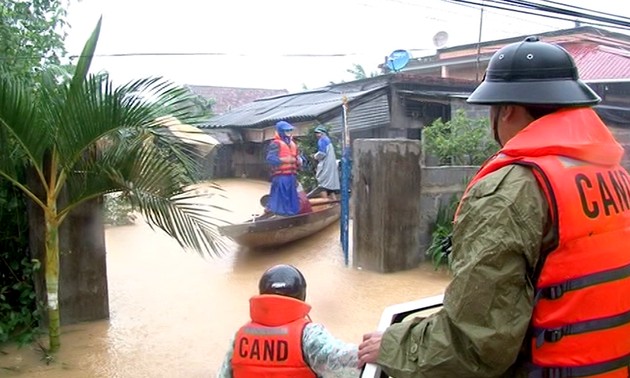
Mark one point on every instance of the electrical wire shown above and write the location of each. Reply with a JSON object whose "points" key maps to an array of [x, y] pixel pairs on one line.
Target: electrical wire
{"points": [[509, 5], [567, 8], [518, 6], [585, 9]]}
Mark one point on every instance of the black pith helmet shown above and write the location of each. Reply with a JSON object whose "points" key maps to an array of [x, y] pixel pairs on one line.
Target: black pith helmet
{"points": [[532, 72], [284, 280]]}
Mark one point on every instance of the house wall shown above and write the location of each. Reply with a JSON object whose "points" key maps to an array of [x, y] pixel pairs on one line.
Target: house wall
{"points": [[465, 72], [248, 160]]}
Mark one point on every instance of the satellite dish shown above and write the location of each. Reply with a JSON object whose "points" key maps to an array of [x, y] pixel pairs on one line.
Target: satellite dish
{"points": [[440, 38], [397, 60]]}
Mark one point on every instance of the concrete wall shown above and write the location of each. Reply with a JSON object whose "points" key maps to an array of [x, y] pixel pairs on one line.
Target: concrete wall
{"points": [[440, 185], [386, 217], [392, 224]]}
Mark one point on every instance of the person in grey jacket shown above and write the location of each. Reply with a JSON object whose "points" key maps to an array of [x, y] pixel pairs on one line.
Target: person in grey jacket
{"points": [[327, 173]]}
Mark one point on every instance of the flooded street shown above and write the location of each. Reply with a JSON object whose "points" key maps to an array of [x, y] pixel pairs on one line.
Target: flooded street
{"points": [[173, 313]]}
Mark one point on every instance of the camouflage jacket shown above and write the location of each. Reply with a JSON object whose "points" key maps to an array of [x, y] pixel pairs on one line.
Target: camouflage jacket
{"points": [[502, 224]]}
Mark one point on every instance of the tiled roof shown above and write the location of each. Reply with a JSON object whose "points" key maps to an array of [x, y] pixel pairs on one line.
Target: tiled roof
{"points": [[600, 62], [228, 98], [599, 54]]}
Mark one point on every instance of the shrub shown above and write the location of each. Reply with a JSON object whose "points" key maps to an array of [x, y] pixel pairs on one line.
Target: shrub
{"points": [[19, 313], [440, 247], [460, 141]]}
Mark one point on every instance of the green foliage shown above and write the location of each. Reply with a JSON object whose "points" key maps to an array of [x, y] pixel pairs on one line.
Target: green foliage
{"points": [[440, 247], [460, 141], [19, 315], [117, 210], [85, 138], [359, 72], [32, 34], [31, 38], [201, 107]]}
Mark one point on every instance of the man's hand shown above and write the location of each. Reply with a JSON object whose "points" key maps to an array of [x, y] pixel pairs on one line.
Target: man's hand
{"points": [[368, 349]]}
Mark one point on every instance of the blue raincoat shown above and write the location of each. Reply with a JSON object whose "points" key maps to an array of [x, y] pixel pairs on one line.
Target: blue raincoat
{"points": [[283, 195]]}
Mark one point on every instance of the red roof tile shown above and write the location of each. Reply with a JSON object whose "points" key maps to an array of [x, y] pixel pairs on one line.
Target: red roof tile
{"points": [[600, 62]]}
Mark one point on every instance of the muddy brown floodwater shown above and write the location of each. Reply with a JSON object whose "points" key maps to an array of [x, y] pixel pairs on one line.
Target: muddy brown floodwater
{"points": [[173, 313]]}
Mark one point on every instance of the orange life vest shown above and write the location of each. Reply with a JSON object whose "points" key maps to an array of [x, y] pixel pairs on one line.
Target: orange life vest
{"points": [[285, 150], [581, 321], [270, 345]]}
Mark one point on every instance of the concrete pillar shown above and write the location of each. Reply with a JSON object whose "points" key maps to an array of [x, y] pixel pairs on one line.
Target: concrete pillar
{"points": [[83, 292], [385, 190]]}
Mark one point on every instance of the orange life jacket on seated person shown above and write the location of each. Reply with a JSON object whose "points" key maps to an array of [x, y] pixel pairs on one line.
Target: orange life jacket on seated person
{"points": [[270, 345], [285, 150], [581, 321]]}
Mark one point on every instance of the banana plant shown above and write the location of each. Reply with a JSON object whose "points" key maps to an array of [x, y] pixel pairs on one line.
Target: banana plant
{"points": [[85, 137]]}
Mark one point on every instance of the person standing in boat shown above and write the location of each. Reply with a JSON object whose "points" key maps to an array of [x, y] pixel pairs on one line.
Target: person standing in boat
{"points": [[280, 340], [541, 269], [327, 173], [282, 157]]}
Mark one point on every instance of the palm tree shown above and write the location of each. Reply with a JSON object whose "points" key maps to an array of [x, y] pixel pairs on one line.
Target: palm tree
{"points": [[84, 138]]}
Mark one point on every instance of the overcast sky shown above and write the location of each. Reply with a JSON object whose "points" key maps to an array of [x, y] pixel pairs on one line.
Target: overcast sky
{"points": [[250, 43]]}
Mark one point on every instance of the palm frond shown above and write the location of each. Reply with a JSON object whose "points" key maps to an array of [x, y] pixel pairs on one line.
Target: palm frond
{"points": [[83, 65], [102, 109], [184, 219], [22, 133], [157, 184]]}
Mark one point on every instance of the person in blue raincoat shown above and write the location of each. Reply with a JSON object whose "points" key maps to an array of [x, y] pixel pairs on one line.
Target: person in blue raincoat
{"points": [[327, 173], [283, 158]]}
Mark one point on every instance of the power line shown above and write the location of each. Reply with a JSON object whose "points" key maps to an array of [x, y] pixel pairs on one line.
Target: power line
{"points": [[566, 9], [518, 6], [584, 9], [536, 9]]}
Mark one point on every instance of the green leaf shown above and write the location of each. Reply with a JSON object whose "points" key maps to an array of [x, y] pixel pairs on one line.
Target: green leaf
{"points": [[85, 60]]}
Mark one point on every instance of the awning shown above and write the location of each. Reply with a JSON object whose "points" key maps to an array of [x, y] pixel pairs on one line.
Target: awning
{"points": [[189, 134]]}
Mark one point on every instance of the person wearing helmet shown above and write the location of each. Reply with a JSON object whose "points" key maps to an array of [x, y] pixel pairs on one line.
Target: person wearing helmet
{"points": [[280, 340], [541, 283], [327, 172], [282, 157]]}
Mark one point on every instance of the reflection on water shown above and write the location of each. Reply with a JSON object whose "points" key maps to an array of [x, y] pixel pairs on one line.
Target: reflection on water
{"points": [[172, 313]]}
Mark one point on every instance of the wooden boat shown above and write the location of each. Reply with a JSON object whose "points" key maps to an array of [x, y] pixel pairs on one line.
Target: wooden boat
{"points": [[270, 231]]}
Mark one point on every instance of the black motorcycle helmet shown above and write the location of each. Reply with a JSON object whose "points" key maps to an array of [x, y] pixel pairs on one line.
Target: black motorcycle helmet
{"points": [[284, 280], [532, 72]]}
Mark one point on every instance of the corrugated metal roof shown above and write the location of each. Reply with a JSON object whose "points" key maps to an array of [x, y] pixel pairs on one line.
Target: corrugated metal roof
{"points": [[600, 62], [368, 115], [296, 107]]}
